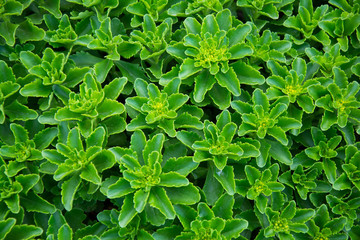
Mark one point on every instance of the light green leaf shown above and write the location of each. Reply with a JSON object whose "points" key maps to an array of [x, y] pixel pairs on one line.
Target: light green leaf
{"points": [[127, 212], [160, 200], [68, 190], [173, 179], [90, 174], [230, 81], [226, 179]]}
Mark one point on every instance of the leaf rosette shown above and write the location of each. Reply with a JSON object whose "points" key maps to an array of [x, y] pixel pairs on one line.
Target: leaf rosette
{"points": [[206, 51], [339, 99], [265, 119], [93, 105], [201, 7], [293, 83], [148, 185], [258, 186], [289, 220], [165, 109], [76, 166], [206, 223], [9, 105]]}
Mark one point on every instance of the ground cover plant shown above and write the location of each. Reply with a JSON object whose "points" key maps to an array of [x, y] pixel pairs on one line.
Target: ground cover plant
{"points": [[179, 119]]}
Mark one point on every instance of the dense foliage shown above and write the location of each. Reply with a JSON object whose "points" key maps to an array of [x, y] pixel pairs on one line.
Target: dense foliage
{"points": [[179, 119]]}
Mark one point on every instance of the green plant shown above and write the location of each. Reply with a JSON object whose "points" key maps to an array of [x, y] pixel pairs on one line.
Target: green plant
{"points": [[146, 184], [179, 119]]}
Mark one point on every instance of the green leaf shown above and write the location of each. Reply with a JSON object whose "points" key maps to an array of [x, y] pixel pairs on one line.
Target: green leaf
{"points": [[177, 100], [240, 50], [173, 179], [68, 190], [289, 211], [128, 49], [234, 227], [261, 203], [74, 139], [204, 212], [192, 25], [303, 215], [7, 31], [62, 171], [230, 81], [102, 69], [140, 200], [52, 7], [160, 200], [342, 182], [18, 111], [27, 31], [155, 144], [223, 207], [109, 108], [53, 156], [277, 110], [6, 226], [13, 203], [209, 25], [27, 181], [252, 174], [127, 212], [154, 216], [24, 232], [55, 222], [45, 137], [221, 96], [224, 20], [187, 195], [182, 165], [220, 161], [168, 126], [34, 203], [115, 87], [188, 68], [328, 119], [287, 123], [185, 214], [226, 179], [238, 34], [247, 74], [177, 50], [306, 103], [279, 134], [280, 153], [90, 174], [75, 76], [330, 170], [96, 138], [20, 133], [7, 73], [65, 232], [130, 70], [203, 83], [119, 189], [259, 98]]}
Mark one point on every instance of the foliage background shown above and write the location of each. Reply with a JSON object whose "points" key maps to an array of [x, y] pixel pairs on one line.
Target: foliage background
{"points": [[179, 119]]}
